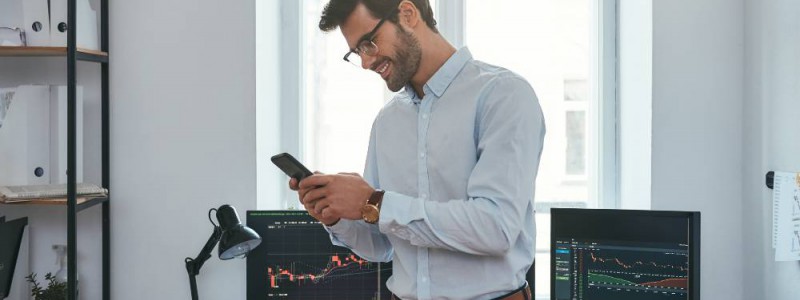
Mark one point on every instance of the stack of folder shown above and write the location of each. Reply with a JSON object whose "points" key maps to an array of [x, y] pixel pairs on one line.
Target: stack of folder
{"points": [[49, 193]]}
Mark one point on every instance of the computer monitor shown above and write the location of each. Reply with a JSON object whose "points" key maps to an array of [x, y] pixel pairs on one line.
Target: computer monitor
{"points": [[599, 254], [296, 260], [11, 234]]}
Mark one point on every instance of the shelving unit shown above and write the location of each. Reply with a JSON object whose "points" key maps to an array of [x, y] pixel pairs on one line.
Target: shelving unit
{"points": [[83, 54], [83, 203], [73, 56]]}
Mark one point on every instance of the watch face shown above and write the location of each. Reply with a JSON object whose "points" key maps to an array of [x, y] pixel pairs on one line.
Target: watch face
{"points": [[370, 213]]}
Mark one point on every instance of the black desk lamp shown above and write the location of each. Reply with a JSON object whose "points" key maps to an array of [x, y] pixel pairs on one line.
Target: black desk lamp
{"points": [[235, 240]]}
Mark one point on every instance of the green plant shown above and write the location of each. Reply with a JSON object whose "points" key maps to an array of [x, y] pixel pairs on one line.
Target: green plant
{"points": [[55, 290]]}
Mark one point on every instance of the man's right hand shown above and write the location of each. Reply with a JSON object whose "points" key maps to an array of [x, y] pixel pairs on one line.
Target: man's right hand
{"points": [[295, 186]]}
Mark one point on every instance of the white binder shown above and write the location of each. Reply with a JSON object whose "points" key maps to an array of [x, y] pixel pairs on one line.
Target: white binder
{"points": [[36, 18], [25, 137], [58, 134], [87, 37]]}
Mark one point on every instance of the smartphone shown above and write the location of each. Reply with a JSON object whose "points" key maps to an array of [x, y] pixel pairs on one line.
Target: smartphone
{"points": [[289, 165]]}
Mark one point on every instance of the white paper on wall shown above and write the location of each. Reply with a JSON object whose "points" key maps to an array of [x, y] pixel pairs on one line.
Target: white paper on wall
{"points": [[786, 216]]}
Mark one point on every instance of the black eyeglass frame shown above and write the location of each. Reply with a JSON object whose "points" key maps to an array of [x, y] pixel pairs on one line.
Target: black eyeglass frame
{"points": [[371, 35]]}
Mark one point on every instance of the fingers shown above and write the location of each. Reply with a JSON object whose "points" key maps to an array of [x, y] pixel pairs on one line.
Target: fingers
{"points": [[319, 208], [302, 193], [310, 209], [327, 212], [315, 215], [314, 181], [313, 195], [294, 184]]}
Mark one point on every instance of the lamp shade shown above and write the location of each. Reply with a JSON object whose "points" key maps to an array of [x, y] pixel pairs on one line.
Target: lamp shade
{"points": [[237, 239]]}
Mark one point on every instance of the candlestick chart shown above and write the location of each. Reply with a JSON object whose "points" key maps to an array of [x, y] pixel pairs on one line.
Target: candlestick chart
{"points": [[300, 262]]}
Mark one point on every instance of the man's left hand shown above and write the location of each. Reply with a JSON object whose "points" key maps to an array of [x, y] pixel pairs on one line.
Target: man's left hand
{"points": [[337, 196]]}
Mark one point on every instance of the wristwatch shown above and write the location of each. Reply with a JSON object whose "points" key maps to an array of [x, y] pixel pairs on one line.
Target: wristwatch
{"points": [[371, 211]]}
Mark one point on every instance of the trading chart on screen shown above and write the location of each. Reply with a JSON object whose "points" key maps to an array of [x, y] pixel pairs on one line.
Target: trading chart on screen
{"points": [[298, 261], [607, 270]]}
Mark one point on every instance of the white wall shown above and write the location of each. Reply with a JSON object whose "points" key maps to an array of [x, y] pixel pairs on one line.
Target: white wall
{"points": [[772, 142], [182, 140], [698, 57]]}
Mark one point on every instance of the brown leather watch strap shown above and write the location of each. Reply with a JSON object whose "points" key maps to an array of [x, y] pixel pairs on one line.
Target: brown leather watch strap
{"points": [[376, 198]]}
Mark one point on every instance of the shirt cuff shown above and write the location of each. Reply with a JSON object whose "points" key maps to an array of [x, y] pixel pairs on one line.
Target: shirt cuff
{"points": [[398, 210], [340, 228]]}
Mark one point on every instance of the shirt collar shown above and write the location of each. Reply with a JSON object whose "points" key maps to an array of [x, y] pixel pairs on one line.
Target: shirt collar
{"points": [[442, 79]]}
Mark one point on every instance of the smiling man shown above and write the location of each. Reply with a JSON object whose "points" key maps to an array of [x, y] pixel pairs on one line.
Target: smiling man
{"points": [[447, 193]]}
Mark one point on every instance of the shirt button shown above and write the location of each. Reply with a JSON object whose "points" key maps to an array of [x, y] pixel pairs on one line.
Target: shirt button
{"points": [[425, 116], [424, 279], [422, 155]]}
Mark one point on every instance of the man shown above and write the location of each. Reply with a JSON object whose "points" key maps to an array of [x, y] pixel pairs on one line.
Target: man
{"points": [[447, 193]]}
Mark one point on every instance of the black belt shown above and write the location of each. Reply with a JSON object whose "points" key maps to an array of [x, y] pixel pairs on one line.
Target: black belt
{"points": [[523, 293]]}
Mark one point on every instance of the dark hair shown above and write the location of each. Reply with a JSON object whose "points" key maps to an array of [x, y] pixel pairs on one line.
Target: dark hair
{"points": [[337, 11]]}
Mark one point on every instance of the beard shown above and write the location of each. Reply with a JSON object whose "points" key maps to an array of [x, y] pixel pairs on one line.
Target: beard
{"points": [[406, 60]]}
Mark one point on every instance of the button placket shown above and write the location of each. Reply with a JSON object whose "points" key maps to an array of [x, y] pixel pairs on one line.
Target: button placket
{"points": [[424, 291]]}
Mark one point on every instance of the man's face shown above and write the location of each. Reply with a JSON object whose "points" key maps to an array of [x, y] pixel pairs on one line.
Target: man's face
{"points": [[399, 52]]}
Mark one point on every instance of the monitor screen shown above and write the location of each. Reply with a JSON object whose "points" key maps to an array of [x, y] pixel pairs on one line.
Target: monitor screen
{"points": [[601, 254], [296, 260], [11, 233]]}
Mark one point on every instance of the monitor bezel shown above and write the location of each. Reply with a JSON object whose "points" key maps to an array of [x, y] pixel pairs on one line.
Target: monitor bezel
{"points": [[17, 231], [694, 238]]}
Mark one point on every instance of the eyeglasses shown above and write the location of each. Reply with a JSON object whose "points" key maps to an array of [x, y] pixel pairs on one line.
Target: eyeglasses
{"points": [[366, 45]]}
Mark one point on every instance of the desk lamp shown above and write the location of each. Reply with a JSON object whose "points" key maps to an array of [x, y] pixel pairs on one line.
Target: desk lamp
{"points": [[235, 240]]}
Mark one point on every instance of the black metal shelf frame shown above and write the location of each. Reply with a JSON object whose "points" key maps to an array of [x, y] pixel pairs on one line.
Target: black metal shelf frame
{"points": [[90, 57], [90, 203], [73, 56]]}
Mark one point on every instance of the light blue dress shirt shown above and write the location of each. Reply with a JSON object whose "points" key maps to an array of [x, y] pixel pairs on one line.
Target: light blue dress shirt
{"points": [[458, 167]]}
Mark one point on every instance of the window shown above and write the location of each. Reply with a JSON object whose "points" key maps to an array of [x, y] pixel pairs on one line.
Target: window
{"points": [[564, 48], [551, 43], [341, 100]]}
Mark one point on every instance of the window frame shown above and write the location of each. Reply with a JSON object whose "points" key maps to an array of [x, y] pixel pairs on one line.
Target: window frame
{"points": [[608, 145], [292, 108]]}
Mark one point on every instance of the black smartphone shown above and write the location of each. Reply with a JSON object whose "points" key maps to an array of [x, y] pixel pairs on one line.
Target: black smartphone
{"points": [[289, 165]]}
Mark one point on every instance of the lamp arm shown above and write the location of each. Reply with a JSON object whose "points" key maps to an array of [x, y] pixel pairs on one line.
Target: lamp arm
{"points": [[193, 265]]}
